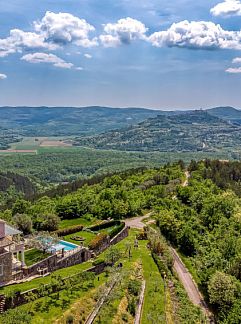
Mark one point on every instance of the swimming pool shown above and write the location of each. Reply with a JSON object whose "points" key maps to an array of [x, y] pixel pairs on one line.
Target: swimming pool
{"points": [[63, 245]]}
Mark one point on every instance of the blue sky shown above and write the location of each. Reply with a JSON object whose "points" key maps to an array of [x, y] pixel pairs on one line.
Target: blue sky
{"points": [[149, 53]]}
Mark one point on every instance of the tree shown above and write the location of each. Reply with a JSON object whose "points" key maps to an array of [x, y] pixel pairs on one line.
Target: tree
{"points": [[49, 222], [44, 241], [112, 255], [20, 207], [222, 289], [24, 223]]}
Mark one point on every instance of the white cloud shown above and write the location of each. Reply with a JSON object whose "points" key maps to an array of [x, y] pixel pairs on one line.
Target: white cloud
{"points": [[234, 70], [88, 56], [64, 28], [3, 76], [197, 34], [47, 58], [124, 31], [227, 8], [236, 60], [79, 68], [19, 40], [51, 32]]}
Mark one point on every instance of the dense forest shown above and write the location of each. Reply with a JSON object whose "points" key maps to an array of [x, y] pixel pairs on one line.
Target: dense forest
{"points": [[119, 196], [59, 169]]}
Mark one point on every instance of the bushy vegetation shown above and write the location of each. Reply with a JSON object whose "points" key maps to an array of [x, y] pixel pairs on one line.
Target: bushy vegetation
{"points": [[204, 223]]}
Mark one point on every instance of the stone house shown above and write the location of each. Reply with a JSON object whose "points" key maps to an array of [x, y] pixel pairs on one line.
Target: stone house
{"points": [[10, 250]]}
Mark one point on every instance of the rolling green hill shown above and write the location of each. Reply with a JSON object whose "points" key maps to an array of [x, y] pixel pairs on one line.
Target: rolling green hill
{"points": [[191, 131]]}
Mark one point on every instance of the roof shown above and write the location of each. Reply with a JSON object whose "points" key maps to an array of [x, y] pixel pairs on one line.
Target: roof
{"points": [[5, 242], [9, 231]]}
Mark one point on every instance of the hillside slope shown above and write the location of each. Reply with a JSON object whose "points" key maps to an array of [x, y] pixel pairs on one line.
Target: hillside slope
{"points": [[185, 132]]}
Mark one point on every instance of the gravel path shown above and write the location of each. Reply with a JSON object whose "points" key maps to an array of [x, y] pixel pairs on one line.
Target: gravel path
{"points": [[137, 222]]}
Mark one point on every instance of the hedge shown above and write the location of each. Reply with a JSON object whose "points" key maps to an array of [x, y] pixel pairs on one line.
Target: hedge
{"points": [[117, 230], [104, 225], [69, 230]]}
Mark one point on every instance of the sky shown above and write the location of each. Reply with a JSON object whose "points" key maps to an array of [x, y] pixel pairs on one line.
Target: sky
{"points": [[179, 54]]}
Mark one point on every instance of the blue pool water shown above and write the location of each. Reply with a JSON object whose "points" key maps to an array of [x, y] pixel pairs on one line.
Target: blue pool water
{"points": [[64, 245]]}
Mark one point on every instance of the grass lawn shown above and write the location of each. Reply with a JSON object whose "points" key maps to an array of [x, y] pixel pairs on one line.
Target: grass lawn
{"points": [[108, 230], [86, 235], [33, 256], [78, 221]]}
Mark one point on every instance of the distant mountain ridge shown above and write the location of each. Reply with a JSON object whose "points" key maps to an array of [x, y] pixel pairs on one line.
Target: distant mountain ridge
{"points": [[62, 121], [120, 128], [226, 113]]}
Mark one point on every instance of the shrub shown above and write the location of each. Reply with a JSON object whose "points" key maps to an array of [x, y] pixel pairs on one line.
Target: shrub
{"points": [[98, 241], [132, 306], [124, 317], [162, 267], [69, 319], [69, 230], [134, 287]]}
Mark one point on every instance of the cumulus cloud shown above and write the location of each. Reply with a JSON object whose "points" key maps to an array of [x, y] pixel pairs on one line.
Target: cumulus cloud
{"points": [[235, 70], [63, 28], [197, 35], [124, 31], [227, 8], [3, 76], [19, 40], [88, 56], [51, 32], [47, 58]]}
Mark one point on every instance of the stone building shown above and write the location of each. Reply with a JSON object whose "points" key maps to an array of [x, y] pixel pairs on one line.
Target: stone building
{"points": [[10, 250]]}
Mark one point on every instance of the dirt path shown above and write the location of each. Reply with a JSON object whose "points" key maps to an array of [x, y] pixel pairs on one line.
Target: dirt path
{"points": [[187, 175], [137, 222]]}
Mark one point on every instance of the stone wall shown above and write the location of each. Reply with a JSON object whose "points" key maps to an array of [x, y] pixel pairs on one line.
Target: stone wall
{"points": [[6, 262], [53, 262], [81, 256], [120, 236]]}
